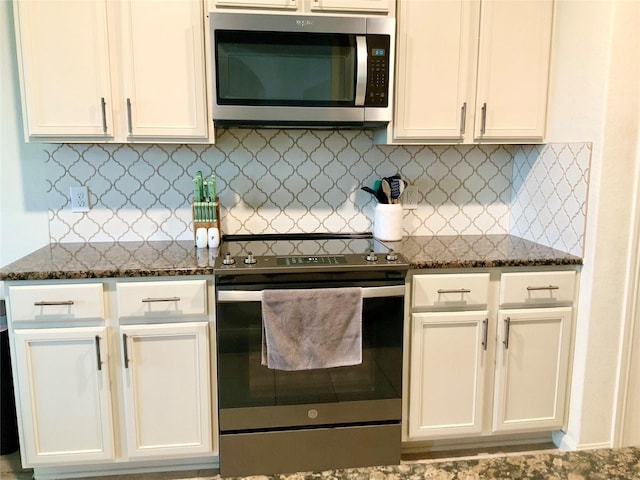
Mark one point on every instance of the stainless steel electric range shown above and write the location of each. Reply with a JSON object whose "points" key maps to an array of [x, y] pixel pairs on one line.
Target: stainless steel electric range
{"points": [[276, 421]]}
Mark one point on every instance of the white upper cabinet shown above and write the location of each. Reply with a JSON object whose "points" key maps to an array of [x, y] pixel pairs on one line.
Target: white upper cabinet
{"points": [[513, 70], [288, 4], [104, 71], [64, 67], [436, 54], [351, 5], [364, 6], [471, 71], [163, 66]]}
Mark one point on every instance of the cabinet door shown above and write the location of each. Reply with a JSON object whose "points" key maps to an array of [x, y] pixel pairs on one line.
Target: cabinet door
{"points": [[64, 395], [166, 389], [531, 369], [447, 373], [64, 66], [163, 62], [351, 5], [290, 4], [436, 66], [513, 69]]}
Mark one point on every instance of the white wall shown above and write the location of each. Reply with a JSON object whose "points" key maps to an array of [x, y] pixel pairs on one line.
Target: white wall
{"points": [[594, 97], [23, 214]]}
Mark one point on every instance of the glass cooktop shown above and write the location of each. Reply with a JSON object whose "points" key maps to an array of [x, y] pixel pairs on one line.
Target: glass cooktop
{"points": [[285, 251]]}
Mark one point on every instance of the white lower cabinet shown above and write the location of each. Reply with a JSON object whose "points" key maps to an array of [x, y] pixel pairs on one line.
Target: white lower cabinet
{"points": [[487, 360], [531, 368], [166, 389], [64, 395], [111, 375], [447, 372]]}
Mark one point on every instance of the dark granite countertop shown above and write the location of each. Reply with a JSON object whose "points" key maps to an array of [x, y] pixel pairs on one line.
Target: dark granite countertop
{"points": [[463, 251], [154, 259]]}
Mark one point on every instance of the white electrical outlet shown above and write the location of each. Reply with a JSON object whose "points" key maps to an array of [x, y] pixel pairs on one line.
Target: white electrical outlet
{"points": [[410, 197], [80, 199]]}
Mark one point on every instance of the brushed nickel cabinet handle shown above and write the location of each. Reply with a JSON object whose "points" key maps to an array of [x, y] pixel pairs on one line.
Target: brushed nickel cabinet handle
{"points": [[103, 104], [129, 115], [124, 349], [485, 333], [549, 287], [99, 357], [507, 329], [160, 299], [45, 303], [483, 119], [463, 118], [455, 290]]}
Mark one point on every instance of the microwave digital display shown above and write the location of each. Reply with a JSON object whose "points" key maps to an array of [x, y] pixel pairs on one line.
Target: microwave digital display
{"points": [[378, 52]]}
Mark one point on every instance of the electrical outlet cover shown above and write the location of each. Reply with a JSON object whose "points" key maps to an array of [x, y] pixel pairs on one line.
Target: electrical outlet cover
{"points": [[79, 199], [410, 197]]}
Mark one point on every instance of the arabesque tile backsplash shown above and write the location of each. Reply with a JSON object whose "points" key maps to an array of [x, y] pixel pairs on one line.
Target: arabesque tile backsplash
{"points": [[309, 181]]}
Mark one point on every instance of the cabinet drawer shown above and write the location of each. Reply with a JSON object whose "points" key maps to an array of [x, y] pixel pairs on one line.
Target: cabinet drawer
{"points": [[56, 302], [160, 299], [538, 288], [450, 290]]}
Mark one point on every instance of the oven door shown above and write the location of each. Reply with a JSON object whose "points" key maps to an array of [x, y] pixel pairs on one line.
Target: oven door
{"points": [[254, 397]]}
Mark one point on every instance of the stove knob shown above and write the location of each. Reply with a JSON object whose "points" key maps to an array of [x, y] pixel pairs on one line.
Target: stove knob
{"points": [[250, 259], [391, 256], [371, 256], [228, 259]]}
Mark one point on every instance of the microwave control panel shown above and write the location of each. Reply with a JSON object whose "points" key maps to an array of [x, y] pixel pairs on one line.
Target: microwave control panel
{"points": [[377, 94]]}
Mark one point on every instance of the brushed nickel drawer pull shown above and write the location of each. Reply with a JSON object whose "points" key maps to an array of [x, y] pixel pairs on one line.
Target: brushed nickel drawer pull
{"points": [[161, 299], [485, 333], [507, 330], [49, 304], [124, 349], [103, 106], [483, 120], [129, 124], [99, 357], [550, 287], [455, 290]]}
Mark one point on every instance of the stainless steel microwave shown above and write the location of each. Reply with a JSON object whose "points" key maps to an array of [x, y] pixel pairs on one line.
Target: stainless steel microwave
{"points": [[301, 70]]}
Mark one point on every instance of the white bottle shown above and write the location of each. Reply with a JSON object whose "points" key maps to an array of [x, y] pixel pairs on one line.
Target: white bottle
{"points": [[213, 236], [201, 237]]}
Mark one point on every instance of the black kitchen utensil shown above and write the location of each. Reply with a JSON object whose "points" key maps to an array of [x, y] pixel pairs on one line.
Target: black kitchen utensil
{"points": [[378, 194], [370, 190], [395, 189]]}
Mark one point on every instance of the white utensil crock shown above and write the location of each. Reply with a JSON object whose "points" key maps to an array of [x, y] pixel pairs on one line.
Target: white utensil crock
{"points": [[387, 224]]}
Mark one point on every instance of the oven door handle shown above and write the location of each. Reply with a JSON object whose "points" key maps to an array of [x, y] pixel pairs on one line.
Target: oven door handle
{"points": [[256, 295]]}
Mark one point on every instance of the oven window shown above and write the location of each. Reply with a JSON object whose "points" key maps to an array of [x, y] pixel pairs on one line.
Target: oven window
{"points": [[244, 382], [289, 69]]}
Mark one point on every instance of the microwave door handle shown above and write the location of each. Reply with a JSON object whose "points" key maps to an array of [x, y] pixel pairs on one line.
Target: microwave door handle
{"points": [[361, 69]]}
